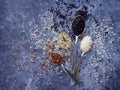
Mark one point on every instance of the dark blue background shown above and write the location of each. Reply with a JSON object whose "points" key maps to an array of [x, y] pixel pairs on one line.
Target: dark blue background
{"points": [[15, 28]]}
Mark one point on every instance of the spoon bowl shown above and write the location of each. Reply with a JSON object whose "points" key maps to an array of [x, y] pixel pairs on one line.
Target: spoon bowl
{"points": [[78, 25]]}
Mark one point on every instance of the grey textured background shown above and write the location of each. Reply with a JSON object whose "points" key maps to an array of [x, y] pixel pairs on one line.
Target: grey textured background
{"points": [[22, 24]]}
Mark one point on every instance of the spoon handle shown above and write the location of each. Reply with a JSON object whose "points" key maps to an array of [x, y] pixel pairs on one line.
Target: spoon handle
{"points": [[74, 53]]}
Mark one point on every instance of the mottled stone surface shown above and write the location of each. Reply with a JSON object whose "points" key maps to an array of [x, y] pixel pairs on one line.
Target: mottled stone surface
{"points": [[26, 26]]}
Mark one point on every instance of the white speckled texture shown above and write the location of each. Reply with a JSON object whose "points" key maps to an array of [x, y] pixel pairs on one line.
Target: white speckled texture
{"points": [[26, 26]]}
